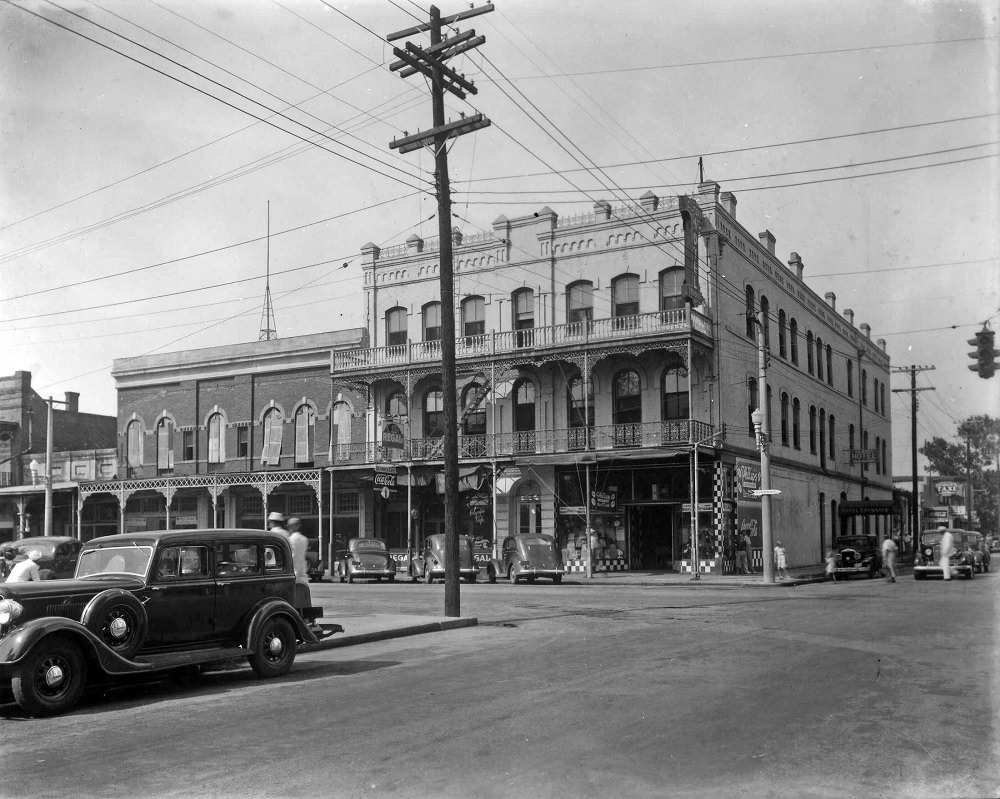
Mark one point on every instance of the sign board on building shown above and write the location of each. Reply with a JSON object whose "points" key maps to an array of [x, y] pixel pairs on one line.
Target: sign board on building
{"points": [[383, 480], [746, 480], [604, 500], [949, 489], [392, 437], [703, 507], [572, 510], [864, 455]]}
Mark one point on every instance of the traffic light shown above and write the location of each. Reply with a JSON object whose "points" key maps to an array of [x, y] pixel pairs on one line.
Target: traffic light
{"points": [[984, 353]]}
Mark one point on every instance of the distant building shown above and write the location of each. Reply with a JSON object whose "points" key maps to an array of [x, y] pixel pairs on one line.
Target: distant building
{"points": [[83, 448]]}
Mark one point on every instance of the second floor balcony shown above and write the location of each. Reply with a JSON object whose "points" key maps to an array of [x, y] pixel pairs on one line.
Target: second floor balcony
{"points": [[568, 336]]}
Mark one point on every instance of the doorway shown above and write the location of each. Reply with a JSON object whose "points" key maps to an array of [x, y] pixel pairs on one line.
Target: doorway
{"points": [[651, 536]]}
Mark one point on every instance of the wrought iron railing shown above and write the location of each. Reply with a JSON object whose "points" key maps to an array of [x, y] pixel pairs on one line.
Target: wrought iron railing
{"points": [[591, 331]]}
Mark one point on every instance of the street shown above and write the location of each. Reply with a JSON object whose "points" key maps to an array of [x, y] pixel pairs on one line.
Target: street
{"points": [[860, 688]]}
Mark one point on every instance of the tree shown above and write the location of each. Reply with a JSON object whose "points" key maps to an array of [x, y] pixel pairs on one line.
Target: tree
{"points": [[980, 464]]}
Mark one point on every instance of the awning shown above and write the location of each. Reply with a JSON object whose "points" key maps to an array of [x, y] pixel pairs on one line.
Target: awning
{"points": [[8, 491], [868, 507]]}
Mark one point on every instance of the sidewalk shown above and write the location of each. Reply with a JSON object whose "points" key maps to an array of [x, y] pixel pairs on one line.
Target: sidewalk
{"points": [[797, 576]]}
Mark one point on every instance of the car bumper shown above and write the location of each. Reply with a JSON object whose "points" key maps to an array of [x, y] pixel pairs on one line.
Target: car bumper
{"points": [[935, 569], [855, 569], [533, 571], [368, 572]]}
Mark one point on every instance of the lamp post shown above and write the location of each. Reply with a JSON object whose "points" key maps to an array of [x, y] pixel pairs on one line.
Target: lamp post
{"points": [[757, 417]]}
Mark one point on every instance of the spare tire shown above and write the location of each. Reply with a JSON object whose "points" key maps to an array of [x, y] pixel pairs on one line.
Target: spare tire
{"points": [[118, 619]]}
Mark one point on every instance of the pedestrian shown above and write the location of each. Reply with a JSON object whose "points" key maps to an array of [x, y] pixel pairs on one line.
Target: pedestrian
{"points": [[947, 550], [300, 544], [25, 570], [779, 561], [7, 556], [889, 550], [741, 555], [748, 547], [276, 523], [831, 564]]}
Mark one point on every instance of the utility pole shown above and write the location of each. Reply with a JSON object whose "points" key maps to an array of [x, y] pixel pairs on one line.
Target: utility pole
{"points": [[762, 427], [430, 62], [915, 504]]}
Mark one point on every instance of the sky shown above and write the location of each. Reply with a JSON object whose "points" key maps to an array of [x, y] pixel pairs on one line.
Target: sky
{"points": [[159, 156]]}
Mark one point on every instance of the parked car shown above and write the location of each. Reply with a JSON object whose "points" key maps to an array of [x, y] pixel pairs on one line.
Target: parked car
{"points": [[858, 554], [528, 555], [429, 563], [58, 555], [365, 558], [928, 556], [995, 545], [973, 544], [148, 602]]}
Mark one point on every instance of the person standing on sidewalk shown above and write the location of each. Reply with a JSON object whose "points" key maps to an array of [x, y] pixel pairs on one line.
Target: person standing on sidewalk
{"points": [[947, 550], [889, 550], [743, 554], [831, 564], [779, 561]]}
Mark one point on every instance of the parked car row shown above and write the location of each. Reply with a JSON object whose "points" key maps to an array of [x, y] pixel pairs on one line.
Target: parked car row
{"points": [[962, 560]]}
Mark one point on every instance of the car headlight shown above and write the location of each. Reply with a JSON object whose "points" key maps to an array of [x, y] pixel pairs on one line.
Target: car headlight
{"points": [[9, 611]]}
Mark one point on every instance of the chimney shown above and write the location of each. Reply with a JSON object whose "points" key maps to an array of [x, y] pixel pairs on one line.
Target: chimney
{"points": [[849, 316], [881, 344], [414, 244], [831, 298], [602, 209], [767, 240], [795, 263], [73, 401], [649, 201], [729, 203], [866, 329]]}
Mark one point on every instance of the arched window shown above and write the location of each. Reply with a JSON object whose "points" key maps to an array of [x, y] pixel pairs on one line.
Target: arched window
{"points": [[579, 412], [625, 296], [473, 316], [165, 446], [885, 463], [829, 364], [882, 389], [765, 315], [580, 302], [396, 406], [395, 327], [627, 410], [832, 438], [751, 313], [812, 429], [875, 393], [796, 424], [674, 405], [864, 445], [270, 450], [753, 403], [850, 378], [809, 352], [782, 332], [793, 340], [133, 444], [671, 283], [340, 431], [432, 321], [819, 357], [524, 416], [822, 437], [523, 308], [434, 414], [784, 418], [305, 430], [216, 438]]}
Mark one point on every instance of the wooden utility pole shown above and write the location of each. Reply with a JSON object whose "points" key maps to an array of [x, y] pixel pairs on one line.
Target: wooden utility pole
{"points": [[915, 509], [430, 62]]}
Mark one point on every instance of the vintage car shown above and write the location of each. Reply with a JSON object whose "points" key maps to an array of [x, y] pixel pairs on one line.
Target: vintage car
{"points": [[973, 544], [527, 556], [857, 554], [148, 602], [995, 544], [58, 555], [928, 556], [365, 558], [429, 561]]}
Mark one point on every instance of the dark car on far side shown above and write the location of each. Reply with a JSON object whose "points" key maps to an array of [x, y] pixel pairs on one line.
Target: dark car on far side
{"points": [[527, 556], [973, 544], [430, 561], [858, 554], [58, 554]]}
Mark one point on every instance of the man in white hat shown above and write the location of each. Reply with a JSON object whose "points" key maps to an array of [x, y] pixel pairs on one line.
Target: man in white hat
{"points": [[26, 570], [947, 550], [276, 523], [300, 545]]}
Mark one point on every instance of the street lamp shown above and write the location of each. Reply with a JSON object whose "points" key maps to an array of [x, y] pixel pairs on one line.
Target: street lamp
{"points": [[34, 467], [757, 417]]}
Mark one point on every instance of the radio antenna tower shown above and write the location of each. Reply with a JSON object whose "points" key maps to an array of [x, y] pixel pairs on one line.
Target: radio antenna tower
{"points": [[268, 331]]}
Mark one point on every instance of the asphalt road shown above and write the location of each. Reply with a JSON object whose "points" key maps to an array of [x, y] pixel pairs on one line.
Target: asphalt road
{"points": [[851, 689]]}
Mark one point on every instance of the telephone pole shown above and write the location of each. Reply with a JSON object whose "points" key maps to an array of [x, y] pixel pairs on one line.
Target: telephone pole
{"points": [[915, 504], [430, 62]]}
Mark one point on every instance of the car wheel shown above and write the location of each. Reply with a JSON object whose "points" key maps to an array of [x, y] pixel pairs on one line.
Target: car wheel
{"points": [[392, 578], [274, 649], [118, 619], [491, 574], [51, 678], [512, 576], [919, 575], [428, 577], [350, 577], [556, 579]]}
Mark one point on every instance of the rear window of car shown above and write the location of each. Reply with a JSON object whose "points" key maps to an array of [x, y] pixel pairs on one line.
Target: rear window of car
{"points": [[537, 540], [371, 544], [182, 563]]}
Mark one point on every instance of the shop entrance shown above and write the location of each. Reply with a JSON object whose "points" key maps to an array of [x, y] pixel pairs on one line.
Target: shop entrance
{"points": [[651, 536]]}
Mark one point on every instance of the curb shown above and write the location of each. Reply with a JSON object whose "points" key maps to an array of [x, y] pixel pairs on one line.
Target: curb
{"points": [[336, 641]]}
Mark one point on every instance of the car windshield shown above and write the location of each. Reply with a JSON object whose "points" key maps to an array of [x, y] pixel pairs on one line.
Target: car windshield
{"points": [[971, 541], [131, 559], [931, 539], [45, 548], [857, 541], [369, 544]]}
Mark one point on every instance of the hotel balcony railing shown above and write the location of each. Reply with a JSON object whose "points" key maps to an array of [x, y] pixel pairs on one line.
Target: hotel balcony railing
{"points": [[570, 334], [632, 436]]}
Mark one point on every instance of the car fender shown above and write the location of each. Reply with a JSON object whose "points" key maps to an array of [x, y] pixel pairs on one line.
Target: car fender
{"points": [[268, 610], [16, 645], [495, 568], [417, 566]]}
